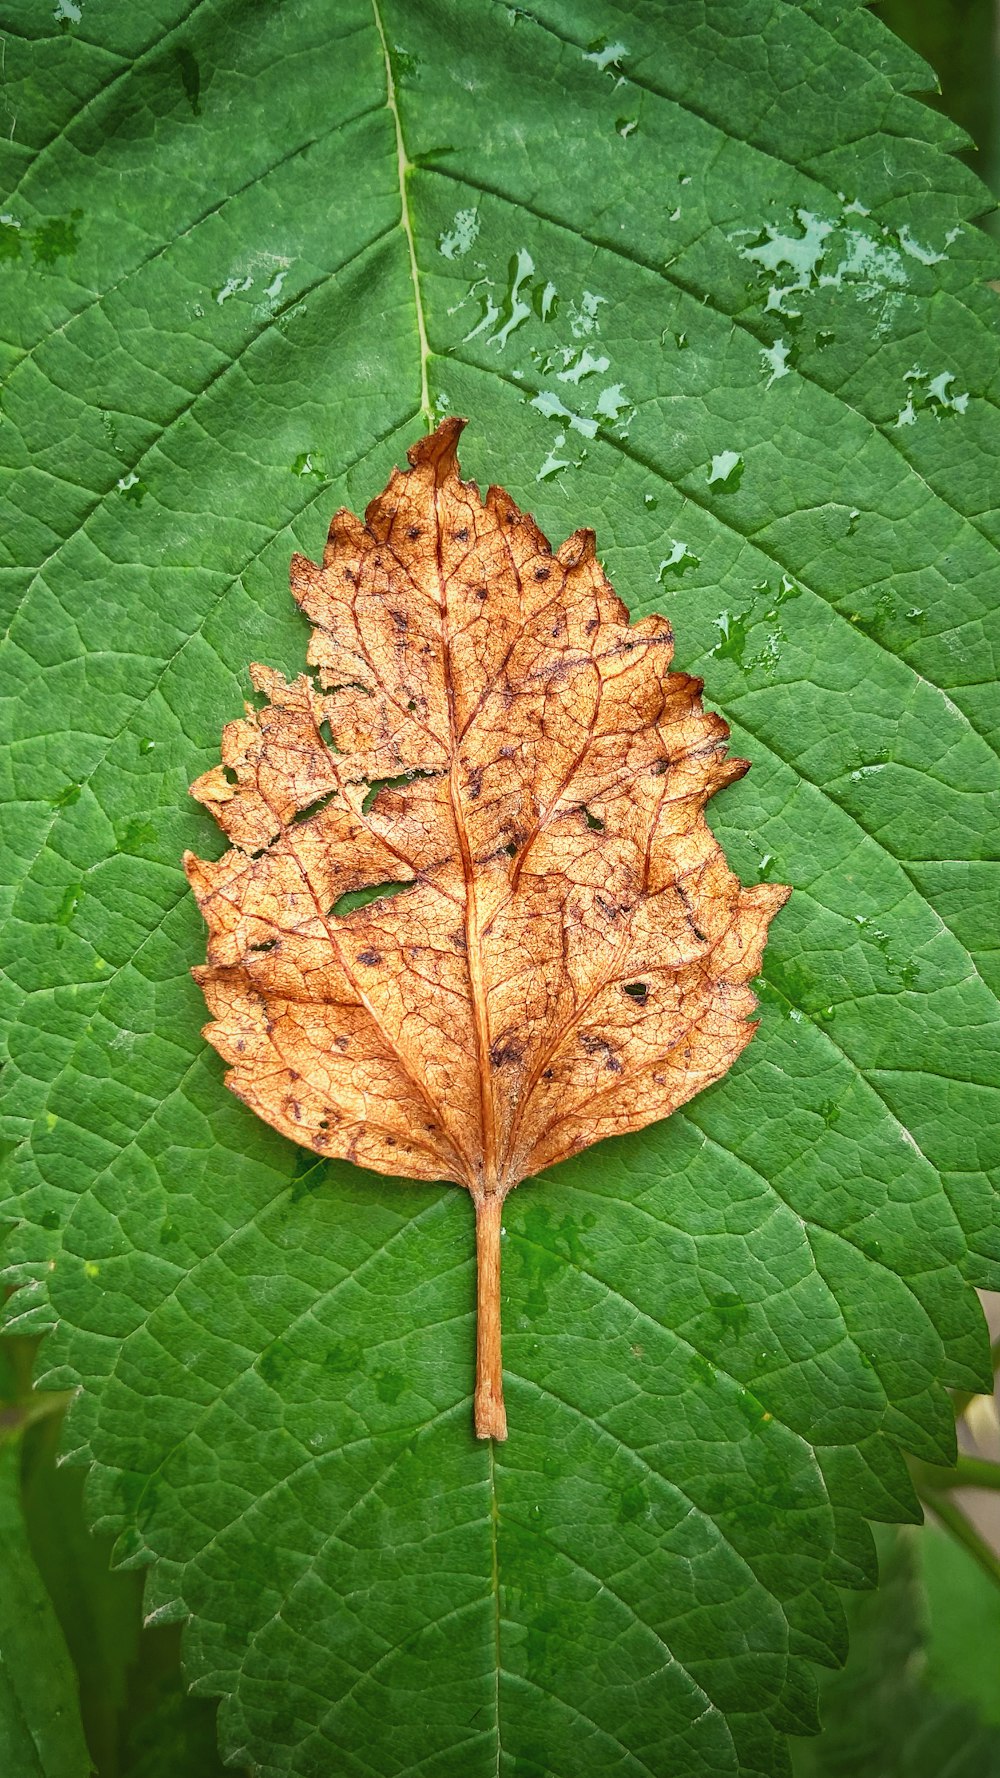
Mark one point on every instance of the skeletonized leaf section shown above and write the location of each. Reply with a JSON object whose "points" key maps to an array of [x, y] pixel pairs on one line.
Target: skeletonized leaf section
{"points": [[562, 952]]}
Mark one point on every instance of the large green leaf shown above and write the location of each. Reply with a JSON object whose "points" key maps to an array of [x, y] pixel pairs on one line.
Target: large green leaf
{"points": [[703, 277]]}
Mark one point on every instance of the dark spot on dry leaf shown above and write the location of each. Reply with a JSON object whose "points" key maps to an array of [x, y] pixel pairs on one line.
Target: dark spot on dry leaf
{"points": [[504, 1052], [597, 1046]]}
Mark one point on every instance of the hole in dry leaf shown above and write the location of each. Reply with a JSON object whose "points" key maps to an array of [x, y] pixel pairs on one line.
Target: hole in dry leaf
{"points": [[402, 778], [512, 848], [258, 851], [267, 945], [359, 898], [594, 821], [326, 735], [313, 808], [230, 776], [637, 990], [352, 685]]}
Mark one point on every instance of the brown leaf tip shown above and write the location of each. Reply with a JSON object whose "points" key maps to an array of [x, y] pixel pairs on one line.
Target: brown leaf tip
{"points": [[438, 450]]}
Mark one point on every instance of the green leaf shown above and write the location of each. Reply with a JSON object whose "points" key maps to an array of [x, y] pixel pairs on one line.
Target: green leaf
{"points": [[888, 1711], [705, 279], [41, 1735], [963, 1644], [99, 1613], [166, 1731], [137, 1718]]}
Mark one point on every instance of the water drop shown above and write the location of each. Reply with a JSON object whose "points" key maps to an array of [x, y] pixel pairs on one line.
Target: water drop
{"points": [[678, 561], [131, 488], [776, 357], [726, 470], [462, 234], [604, 54], [309, 463]]}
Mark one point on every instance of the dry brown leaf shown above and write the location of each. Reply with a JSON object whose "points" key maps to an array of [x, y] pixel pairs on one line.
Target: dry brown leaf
{"points": [[569, 953]]}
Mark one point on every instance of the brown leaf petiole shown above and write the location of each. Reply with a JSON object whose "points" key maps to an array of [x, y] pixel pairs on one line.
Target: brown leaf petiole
{"points": [[490, 1413]]}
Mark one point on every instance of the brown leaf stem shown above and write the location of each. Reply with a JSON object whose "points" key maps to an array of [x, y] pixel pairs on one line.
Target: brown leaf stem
{"points": [[491, 1415]]}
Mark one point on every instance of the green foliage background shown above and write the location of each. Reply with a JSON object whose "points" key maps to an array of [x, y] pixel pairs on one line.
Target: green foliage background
{"points": [[703, 277]]}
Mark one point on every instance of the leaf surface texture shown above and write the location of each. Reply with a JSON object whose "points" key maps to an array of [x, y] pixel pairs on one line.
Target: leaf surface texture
{"points": [[721, 301]]}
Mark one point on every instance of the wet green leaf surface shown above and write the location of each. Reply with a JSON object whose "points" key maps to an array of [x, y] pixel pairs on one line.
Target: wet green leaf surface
{"points": [[707, 283]]}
